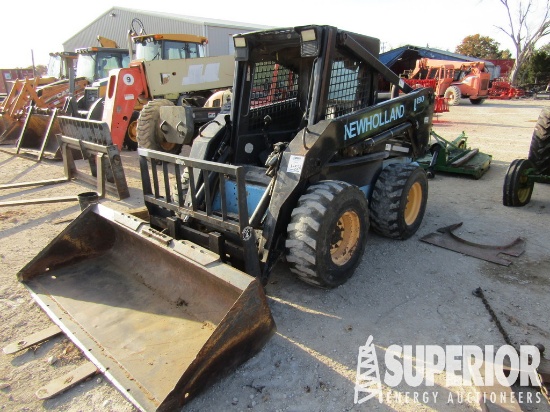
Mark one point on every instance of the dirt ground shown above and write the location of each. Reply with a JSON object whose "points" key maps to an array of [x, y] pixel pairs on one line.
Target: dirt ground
{"points": [[403, 292]]}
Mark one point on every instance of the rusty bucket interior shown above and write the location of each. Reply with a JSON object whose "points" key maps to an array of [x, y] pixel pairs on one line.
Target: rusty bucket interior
{"points": [[38, 135], [161, 318], [10, 129]]}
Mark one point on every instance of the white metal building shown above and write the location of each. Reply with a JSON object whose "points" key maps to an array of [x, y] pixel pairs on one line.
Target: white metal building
{"points": [[115, 23]]}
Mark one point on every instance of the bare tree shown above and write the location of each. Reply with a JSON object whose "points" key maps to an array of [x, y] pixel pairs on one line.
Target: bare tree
{"points": [[523, 32]]}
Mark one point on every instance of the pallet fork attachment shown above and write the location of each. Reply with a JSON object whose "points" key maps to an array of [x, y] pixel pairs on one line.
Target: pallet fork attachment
{"points": [[104, 161]]}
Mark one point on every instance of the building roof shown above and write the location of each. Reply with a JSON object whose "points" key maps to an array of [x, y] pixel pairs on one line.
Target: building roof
{"points": [[391, 57], [179, 17]]}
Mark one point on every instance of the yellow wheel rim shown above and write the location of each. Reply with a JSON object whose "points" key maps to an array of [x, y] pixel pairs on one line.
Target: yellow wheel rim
{"points": [[167, 146], [132, 131], [524, 189], [414, 202], [345, 238]]}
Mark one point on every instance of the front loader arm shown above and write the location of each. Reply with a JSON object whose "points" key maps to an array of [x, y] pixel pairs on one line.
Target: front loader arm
{"points": [[347, 40]]}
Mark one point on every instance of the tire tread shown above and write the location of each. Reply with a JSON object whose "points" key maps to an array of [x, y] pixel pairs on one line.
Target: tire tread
{"points": [[539, 150], [305, 226], [386, 201]]}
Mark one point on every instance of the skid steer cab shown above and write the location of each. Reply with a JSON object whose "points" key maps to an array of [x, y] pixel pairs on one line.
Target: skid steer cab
{"points": [[310, 157]]}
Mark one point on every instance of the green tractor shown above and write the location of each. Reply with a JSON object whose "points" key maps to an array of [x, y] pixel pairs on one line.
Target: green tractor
{"points": [[522, 174]]}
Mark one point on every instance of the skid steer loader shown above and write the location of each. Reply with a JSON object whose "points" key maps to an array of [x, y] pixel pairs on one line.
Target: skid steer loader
{"points": [[309, 157]]}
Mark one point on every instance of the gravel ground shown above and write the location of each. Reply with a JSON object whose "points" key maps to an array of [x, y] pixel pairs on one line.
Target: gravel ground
{"points": [[403, 292]]}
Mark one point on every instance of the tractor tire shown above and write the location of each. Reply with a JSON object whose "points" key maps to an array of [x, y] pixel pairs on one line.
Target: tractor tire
{"points": [[96, 109], [477, 101], [149, 135], [517, 189], [539, 151], [453, 95], [327, 233], [108, 171], [399, 200], [130, 139]]}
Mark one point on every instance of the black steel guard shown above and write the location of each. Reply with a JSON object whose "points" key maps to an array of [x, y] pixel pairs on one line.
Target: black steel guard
{"points": [[196, 201], [206, 180]]}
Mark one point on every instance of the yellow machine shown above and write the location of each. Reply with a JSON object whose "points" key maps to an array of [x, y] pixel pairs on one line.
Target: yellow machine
{"points": [[30, 117], [48, 92]]}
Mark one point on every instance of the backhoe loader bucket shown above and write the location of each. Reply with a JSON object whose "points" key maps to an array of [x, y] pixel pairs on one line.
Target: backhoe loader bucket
{"points": [[161, 318], [10, 130], [38, 134]]}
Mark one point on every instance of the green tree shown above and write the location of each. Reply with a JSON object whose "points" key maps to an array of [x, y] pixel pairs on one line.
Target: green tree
{"points": [[506, 54], [538, 68], [482, 47]]}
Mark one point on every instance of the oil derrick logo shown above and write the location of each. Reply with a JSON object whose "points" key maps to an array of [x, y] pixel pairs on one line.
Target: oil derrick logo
{"points": [[367, 381]]}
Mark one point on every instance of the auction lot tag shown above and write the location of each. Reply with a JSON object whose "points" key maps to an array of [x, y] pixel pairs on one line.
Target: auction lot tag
{"points": [[295, 164]]}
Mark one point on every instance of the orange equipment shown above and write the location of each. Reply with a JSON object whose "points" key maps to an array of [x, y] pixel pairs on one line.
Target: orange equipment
{"points": [[502, 89], [39, 92], [441, 105], [39, 126], [455, 79]]}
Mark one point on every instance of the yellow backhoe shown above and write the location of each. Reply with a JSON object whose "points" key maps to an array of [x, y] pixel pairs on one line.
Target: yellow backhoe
{"points": [[28, 115]]}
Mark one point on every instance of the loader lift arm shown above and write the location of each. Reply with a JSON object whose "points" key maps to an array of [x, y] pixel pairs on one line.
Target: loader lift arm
{"points": [[347, 40]]}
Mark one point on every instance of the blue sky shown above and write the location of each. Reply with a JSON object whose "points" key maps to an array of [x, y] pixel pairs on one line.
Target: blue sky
{"points": [[43, 25]]}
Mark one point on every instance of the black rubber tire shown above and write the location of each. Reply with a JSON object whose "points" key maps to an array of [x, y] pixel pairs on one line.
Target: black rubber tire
{"points": [[316, 245], [130, 139], [149, 135], [393, 214], [96, 110], [109, 176], [517, 189], [453, 95], [539, 151], [461, 144], [477, 101]]}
